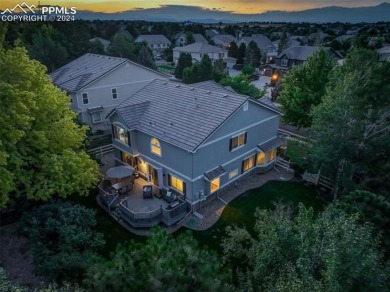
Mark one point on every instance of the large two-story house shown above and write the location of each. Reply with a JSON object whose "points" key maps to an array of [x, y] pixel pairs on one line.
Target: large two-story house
{"points": [[194, 139], [156, 42], [98, 83]]}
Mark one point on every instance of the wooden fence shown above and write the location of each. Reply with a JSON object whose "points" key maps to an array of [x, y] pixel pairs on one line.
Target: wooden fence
{"points": [[318, 179], [101, 150]]}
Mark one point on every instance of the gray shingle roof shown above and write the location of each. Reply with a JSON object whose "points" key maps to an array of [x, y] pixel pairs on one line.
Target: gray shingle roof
{"points": [[200, 48], [212, 86], [271, 144], [216, 172], [199, 38], [300, 53], [179, 114], [261, 40], [223, 38], [153, 39], [83, 70]]}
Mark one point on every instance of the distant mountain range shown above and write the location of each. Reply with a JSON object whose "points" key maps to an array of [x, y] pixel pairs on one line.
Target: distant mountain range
{"points": [[179, 13]]}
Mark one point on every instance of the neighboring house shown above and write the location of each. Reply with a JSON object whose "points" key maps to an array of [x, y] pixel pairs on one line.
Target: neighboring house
{"points": [[345, 37], [262, 42], [290, 43], [384, 53], [98, 83], [294, 56], [198, 50], [317, 38], [211, 32], [157, 42], [181, 39], [104, 42], [192, 139], [223, 40]]}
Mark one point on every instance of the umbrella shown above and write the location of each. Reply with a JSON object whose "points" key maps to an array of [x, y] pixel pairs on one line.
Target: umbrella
{"points": [[119, 172]]}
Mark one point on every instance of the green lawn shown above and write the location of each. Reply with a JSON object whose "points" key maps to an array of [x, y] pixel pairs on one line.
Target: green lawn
{"points": [[240, 212]]}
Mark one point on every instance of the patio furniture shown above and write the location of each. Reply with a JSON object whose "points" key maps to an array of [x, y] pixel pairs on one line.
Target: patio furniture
{"points": [[148, 192], [169, 197]]}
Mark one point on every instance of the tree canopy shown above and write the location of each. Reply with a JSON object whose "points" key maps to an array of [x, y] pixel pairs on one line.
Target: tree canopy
{"points": [[184, 61], [145, 58], [305, 253], [202, 71], [252, 54], [350, 129], [163, 263], [62, 239], [41, 146], [242, 85], [304, 87]]}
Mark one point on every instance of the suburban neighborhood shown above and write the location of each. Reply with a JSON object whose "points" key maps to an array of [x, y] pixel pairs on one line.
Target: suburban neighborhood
{"points": [[209, 154]]}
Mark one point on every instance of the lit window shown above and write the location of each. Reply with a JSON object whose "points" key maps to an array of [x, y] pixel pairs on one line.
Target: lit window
{"points": [[121, 134], [214, 184], [114, 93], [155, 146], [176, 183], [85, 98], [233, 173], [96, 118], [260, 158], [271, 155], [248, 163], [237, 141], [127, 158]]}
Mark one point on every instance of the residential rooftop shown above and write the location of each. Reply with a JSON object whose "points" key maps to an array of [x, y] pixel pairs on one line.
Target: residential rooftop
{"points": [[200, 48], [86, 69]]}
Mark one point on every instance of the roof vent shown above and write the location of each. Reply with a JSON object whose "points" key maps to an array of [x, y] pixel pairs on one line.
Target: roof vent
{"points": [[209, 92], [197, 106], [177, 85], [171, 123], [165, 83], [192, 88], [225, 95]]}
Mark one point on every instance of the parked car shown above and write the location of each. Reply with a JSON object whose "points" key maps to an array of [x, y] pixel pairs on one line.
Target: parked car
{"points": [[254, 77]]}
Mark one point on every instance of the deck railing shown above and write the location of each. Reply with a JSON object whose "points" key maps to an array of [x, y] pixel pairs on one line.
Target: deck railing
{"points": [[148, 219]]}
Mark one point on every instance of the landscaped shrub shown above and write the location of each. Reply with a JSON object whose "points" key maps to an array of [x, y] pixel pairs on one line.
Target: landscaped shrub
{"points": [[62, 239]]}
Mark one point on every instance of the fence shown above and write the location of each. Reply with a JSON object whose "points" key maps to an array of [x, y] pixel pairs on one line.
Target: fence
{"points": [[318, 179], [101, 150], [283, 163]]}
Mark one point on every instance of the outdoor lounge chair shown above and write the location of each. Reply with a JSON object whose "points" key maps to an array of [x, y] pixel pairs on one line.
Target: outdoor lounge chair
{"points": [[169, 197], [148, 192]]}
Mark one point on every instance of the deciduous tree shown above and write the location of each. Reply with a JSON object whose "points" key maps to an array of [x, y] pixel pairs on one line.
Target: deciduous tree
{"points": [[304, 253], [242, 85], [163, 263], [41, 146], [304, 87]]}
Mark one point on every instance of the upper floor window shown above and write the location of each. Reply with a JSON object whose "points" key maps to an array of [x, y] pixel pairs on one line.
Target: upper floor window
{"points": [[121, 134], [114, 93], [155, 146], [238, 141], [85, 98], [284, 62]]}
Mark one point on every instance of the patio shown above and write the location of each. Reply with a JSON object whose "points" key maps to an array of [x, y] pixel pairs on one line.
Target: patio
{"points": [[142, 209]]}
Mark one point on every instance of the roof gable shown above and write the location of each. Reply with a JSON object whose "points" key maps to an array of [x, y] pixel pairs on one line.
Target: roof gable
{"points": [[178, 114]]}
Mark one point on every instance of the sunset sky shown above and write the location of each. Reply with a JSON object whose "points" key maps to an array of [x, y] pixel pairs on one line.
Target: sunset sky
{"points": [[238, 6]]}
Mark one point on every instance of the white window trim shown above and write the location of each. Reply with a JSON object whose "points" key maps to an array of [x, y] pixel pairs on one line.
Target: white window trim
{"points": [[82, 98], [126, 129], [246, 106], [177, 178], [159, 155], [284, 62], [94, 121]]}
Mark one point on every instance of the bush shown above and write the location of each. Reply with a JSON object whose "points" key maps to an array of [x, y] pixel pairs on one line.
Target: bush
{"points": [[62, 239], [248, 70]]}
